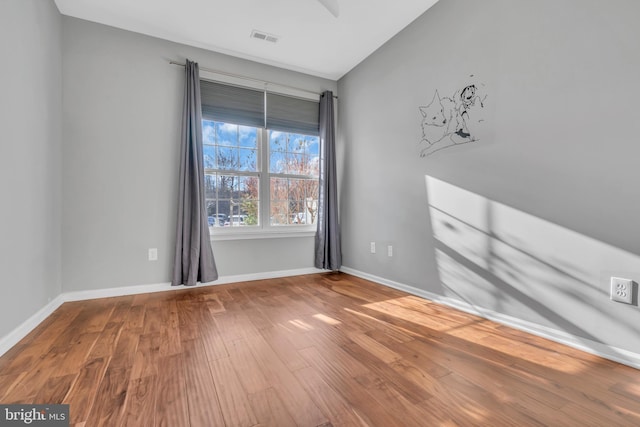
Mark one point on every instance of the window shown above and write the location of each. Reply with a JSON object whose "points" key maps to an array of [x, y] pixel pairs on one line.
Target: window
{"points": [[293, 178], [232, 178], [261, 164]]}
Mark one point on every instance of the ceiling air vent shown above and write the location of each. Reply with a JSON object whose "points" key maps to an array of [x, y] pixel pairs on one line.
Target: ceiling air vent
{"points": [[261, 35]]}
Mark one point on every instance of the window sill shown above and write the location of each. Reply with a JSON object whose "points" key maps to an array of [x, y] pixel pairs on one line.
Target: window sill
{"points": [[260, 234]]}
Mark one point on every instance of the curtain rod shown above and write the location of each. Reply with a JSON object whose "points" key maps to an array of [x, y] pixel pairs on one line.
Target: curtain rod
{"points": [[224, 73]]}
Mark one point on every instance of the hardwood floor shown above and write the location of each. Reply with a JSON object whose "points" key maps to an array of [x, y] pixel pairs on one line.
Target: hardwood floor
{"points": [[318, 350]]}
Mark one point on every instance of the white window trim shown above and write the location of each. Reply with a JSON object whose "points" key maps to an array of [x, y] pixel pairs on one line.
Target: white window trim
{"points": [[264, 230], [220, 235]]}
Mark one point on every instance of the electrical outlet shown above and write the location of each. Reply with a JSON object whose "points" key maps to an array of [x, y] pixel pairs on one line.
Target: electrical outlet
{"points": [[390, 250], [622, 290], [373, 247], [153, 254]]}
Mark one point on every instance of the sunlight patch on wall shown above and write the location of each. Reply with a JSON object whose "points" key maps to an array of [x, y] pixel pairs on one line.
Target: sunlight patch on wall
{"points": [[497, 257]]}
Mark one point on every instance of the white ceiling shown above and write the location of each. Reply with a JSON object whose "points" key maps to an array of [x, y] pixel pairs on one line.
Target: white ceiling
{"points": [[311, 40]]}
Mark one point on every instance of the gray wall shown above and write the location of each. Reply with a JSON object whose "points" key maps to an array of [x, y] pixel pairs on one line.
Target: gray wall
{"points": [[121, 122], [531, 220], [30, 133]]}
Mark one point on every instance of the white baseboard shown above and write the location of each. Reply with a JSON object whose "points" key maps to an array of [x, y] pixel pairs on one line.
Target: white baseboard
{"points": [[609, 352], [266, 275], [163, 287], [13, 337], [593, 347]]}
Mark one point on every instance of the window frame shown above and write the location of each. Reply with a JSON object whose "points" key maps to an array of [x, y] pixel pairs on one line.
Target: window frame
{"points": [[264, 229]]}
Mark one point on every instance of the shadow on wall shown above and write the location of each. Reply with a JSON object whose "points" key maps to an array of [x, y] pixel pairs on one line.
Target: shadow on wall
{"points": [[498, 258]]}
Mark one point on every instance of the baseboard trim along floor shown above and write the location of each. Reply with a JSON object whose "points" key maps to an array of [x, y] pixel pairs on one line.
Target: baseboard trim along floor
{"points": [[28, 325], [593, 347]]}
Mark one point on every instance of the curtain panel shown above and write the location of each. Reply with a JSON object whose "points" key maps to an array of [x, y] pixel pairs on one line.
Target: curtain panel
{"points": [[328, 252], [194, 261]]}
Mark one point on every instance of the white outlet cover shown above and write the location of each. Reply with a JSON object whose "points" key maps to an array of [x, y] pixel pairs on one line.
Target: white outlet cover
{"points": [[153, 254], [622, 290]]}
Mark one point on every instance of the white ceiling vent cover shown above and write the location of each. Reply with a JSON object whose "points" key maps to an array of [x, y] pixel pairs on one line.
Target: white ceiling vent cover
{"points": [[261, 35]]}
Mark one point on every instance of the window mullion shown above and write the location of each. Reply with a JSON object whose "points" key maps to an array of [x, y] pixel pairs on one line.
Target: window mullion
{"points": [[230, 172], [265, 184], [292, 176]]}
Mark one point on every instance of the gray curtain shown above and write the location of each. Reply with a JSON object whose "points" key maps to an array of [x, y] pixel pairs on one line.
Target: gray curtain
{"points": [[194, 260], [328, 250]]}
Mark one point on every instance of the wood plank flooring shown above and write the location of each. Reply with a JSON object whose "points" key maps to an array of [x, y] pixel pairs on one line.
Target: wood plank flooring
{"points": [[318, 350]]}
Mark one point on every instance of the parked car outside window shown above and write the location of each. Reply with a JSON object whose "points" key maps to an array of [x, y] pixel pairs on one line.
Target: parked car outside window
{"points": [[235, 220]]}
